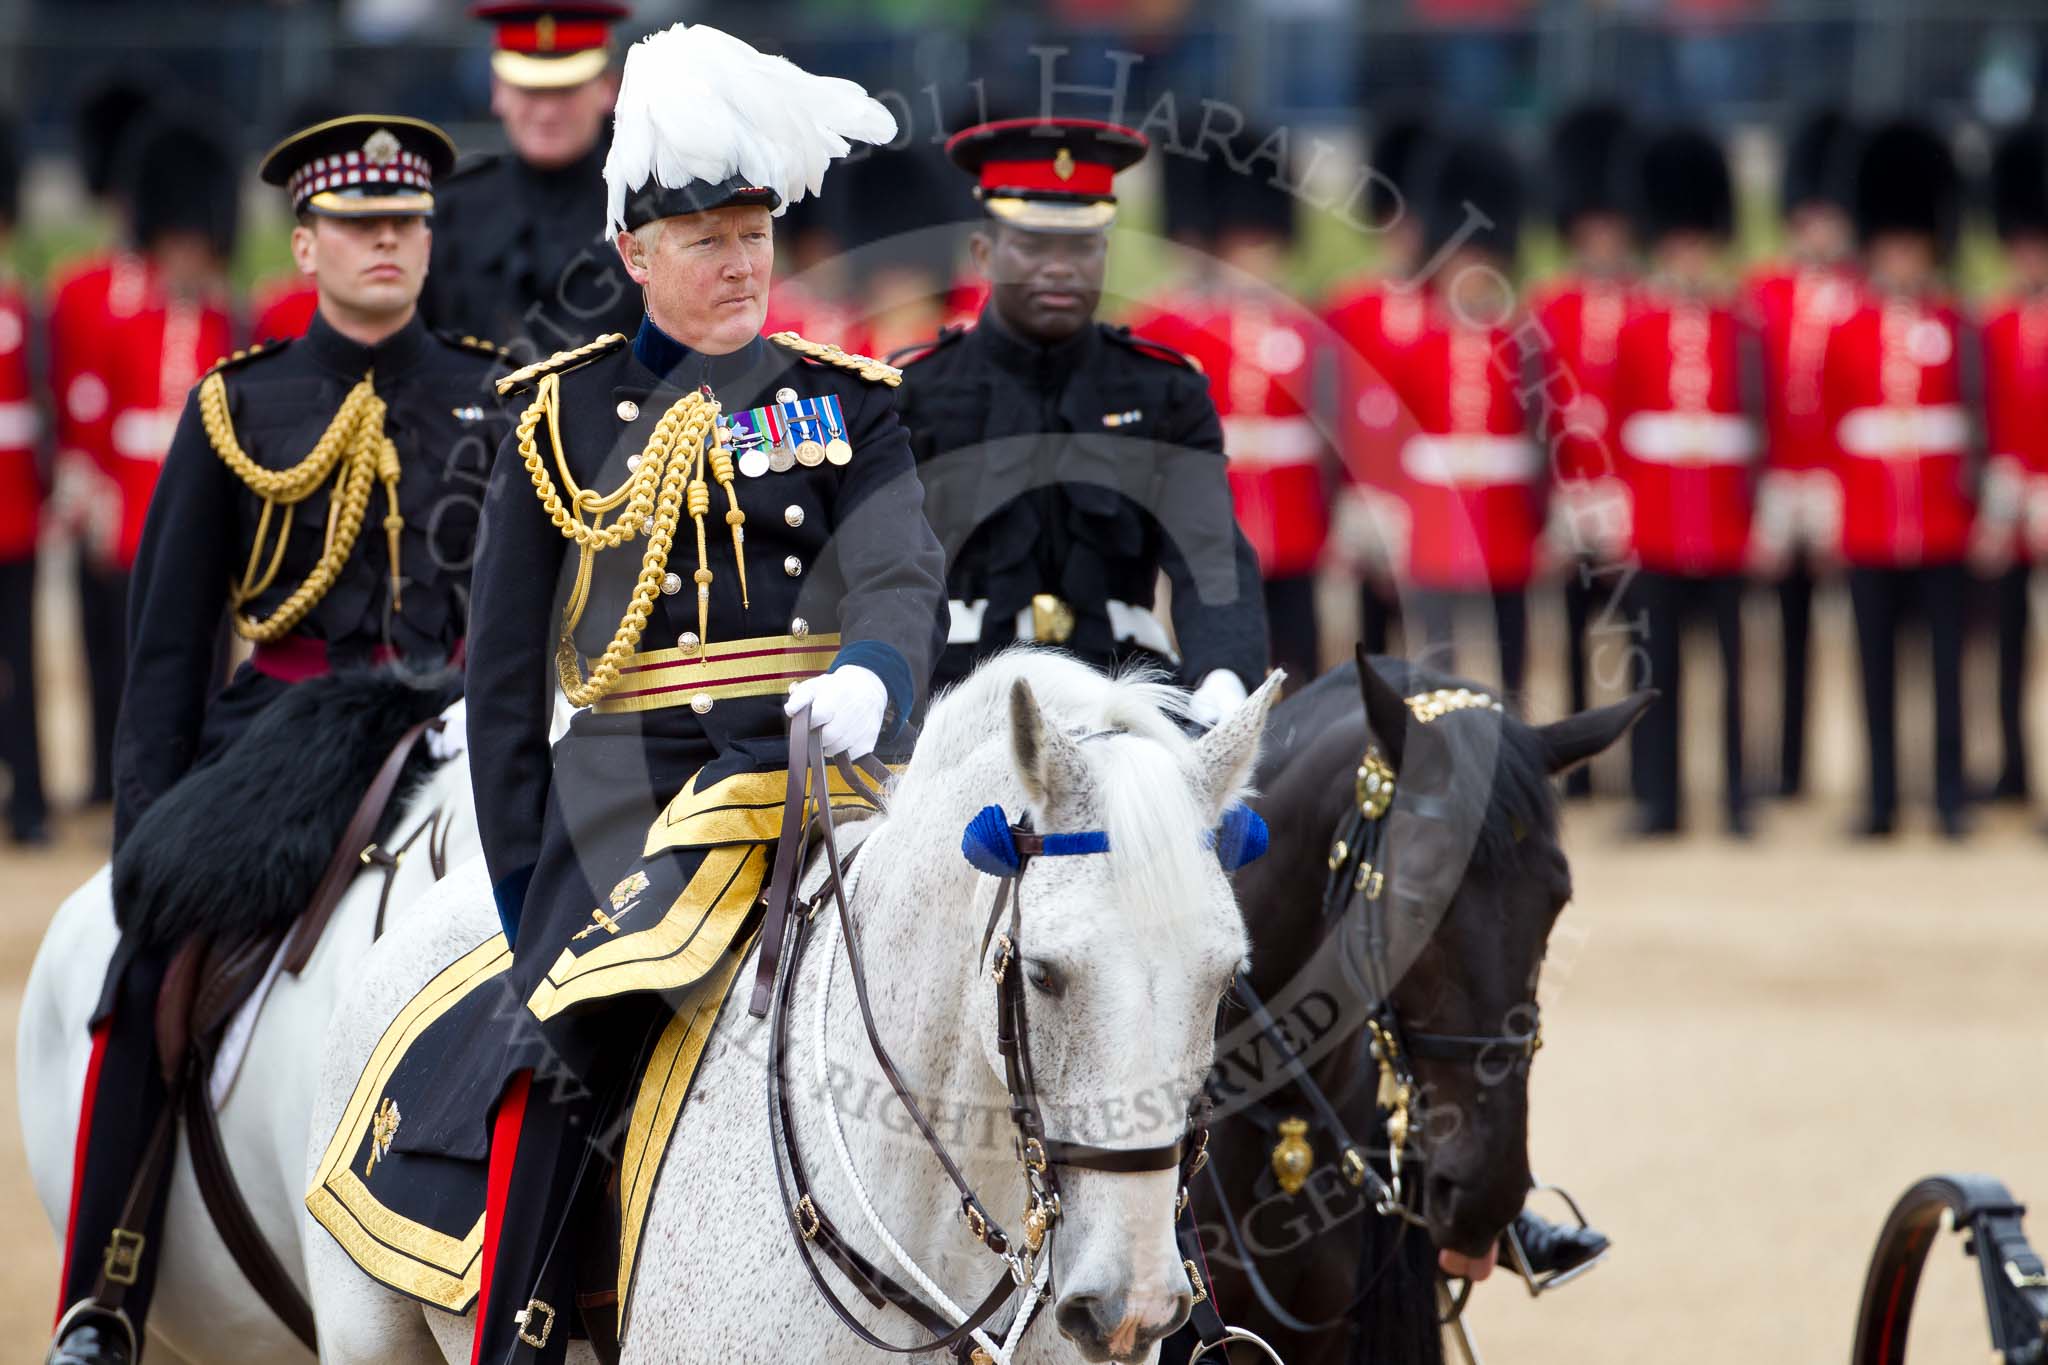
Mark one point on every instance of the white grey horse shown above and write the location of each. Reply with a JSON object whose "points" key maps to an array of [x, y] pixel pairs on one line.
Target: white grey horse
{"points": [[1126, 955], [203, 1310]]}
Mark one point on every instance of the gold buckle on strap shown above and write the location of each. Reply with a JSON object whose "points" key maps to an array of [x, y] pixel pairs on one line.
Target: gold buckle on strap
{"points": [[122, 1261], [534, 1311], [1052, 620]]}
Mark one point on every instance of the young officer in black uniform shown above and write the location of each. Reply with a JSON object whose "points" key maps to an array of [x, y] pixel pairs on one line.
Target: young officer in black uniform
{"points": [[1066, 462], [787, 563], [370, 416], [517, 257]]}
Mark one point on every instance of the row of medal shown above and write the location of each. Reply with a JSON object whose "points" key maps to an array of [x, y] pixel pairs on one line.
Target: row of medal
{"points": [[793, 431]]}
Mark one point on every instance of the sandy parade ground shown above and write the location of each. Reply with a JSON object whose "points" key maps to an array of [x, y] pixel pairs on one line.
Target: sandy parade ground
{"points": [[1752, 1048]]}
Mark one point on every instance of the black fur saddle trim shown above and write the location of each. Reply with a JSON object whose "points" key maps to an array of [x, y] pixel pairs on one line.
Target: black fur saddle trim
{"points": [[238, 846]]}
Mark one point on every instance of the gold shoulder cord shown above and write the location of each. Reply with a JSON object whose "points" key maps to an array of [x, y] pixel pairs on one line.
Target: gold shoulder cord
{"points": [[669, 475], [353, 450]]}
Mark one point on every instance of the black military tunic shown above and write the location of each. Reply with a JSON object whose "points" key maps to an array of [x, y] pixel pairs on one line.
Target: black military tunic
{"points": [[1081, 470], [445, 418], [520, 256], [836, 556]]}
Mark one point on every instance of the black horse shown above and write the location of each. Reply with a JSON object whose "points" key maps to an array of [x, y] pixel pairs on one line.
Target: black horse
{"points": [[1399, 921]]}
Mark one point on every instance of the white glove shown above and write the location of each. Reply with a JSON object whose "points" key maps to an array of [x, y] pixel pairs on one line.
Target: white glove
{"points": [[847, 706], [1220, 693]]}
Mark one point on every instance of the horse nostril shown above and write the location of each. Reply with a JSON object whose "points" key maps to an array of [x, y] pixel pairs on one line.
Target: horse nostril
{"points": [[1080, 1320]]}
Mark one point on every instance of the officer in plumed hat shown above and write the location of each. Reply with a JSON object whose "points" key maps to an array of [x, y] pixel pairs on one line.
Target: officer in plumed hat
{"points": [[515, 256], [375, 577], [812, 580], [1067, 462]]}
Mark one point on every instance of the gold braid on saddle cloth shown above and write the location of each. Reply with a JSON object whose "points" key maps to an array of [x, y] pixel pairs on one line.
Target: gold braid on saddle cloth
{"points": [[354, 453], [667, 476]]}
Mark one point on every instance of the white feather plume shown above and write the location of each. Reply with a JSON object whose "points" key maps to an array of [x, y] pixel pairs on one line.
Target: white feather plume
{"points": [[696, 103]]}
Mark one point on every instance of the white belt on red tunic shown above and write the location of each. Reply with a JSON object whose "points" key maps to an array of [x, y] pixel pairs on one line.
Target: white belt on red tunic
{"points": [[1454, 461], [20, 424], [145, 433], [1690, 438], [1272, 440], [1904, 433]]}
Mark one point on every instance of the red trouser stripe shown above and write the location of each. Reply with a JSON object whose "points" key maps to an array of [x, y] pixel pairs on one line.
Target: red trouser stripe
{"points": [[504, 1152], [78, 1153]]}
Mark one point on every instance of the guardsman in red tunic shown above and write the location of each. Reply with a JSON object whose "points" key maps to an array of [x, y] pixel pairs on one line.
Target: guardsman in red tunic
{"points": [[1253, 343], [1580, 314], [1472, 472], [282, 308], [86, 297], [1897, 392], [2013, 511], [1795, 303], [1371, 324], [183, 188], [21, 502], [1686, 397]]}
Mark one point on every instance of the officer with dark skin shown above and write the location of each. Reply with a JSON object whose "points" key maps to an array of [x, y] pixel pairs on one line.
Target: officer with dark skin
{"points": [[1067, 463]]}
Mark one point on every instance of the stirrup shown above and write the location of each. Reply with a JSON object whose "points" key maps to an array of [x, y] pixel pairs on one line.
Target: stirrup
{"points": [[115, 1319]]}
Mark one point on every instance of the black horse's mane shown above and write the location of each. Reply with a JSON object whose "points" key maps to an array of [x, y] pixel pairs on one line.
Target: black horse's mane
{"points": [[1521, 800]]}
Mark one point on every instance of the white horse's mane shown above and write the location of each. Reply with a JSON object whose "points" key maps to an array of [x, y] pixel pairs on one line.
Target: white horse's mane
{"points": [[1140, 759]]}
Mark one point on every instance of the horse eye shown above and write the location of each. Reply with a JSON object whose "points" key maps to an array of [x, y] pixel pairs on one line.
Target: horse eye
{"points": [[1043, 978]]}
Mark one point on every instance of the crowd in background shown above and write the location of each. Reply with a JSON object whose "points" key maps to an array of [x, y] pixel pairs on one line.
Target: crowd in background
{"points": [[1664, 429]]}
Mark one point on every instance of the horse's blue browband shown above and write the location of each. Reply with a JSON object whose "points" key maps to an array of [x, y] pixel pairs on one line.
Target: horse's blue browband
{"points": [[990, 842]]}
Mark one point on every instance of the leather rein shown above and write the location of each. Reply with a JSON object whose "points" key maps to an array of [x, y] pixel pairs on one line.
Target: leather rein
{"points": [[1039, 1155]]}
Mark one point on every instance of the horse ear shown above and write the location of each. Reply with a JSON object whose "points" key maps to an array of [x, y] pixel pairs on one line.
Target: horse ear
{"points": [[1386, 711], [1048, 761], [1571, 741], [1225, 755]]}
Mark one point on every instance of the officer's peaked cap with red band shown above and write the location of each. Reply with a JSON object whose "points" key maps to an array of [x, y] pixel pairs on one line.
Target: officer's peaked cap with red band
{"points": [[552, 44], [1047, 174]]}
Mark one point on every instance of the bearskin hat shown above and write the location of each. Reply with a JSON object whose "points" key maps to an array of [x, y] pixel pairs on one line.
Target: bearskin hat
{"points": [[181, 176], [1590, 164], [1399, 145], [10, 172], [1906, 181], [1685, 185], [1244, 195], [1820, 162], [2019, 182], [1470, 178], [113, 106]]}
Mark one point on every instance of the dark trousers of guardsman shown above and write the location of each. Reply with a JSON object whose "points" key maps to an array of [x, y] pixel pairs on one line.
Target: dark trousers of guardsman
{"points": [[2012, 608], [103, 612], [1291, 626], [20, 748], [1436, 615], [1379, 608], [1795, 627], [1579, 604], [1883, 600], [1664, 605]]}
